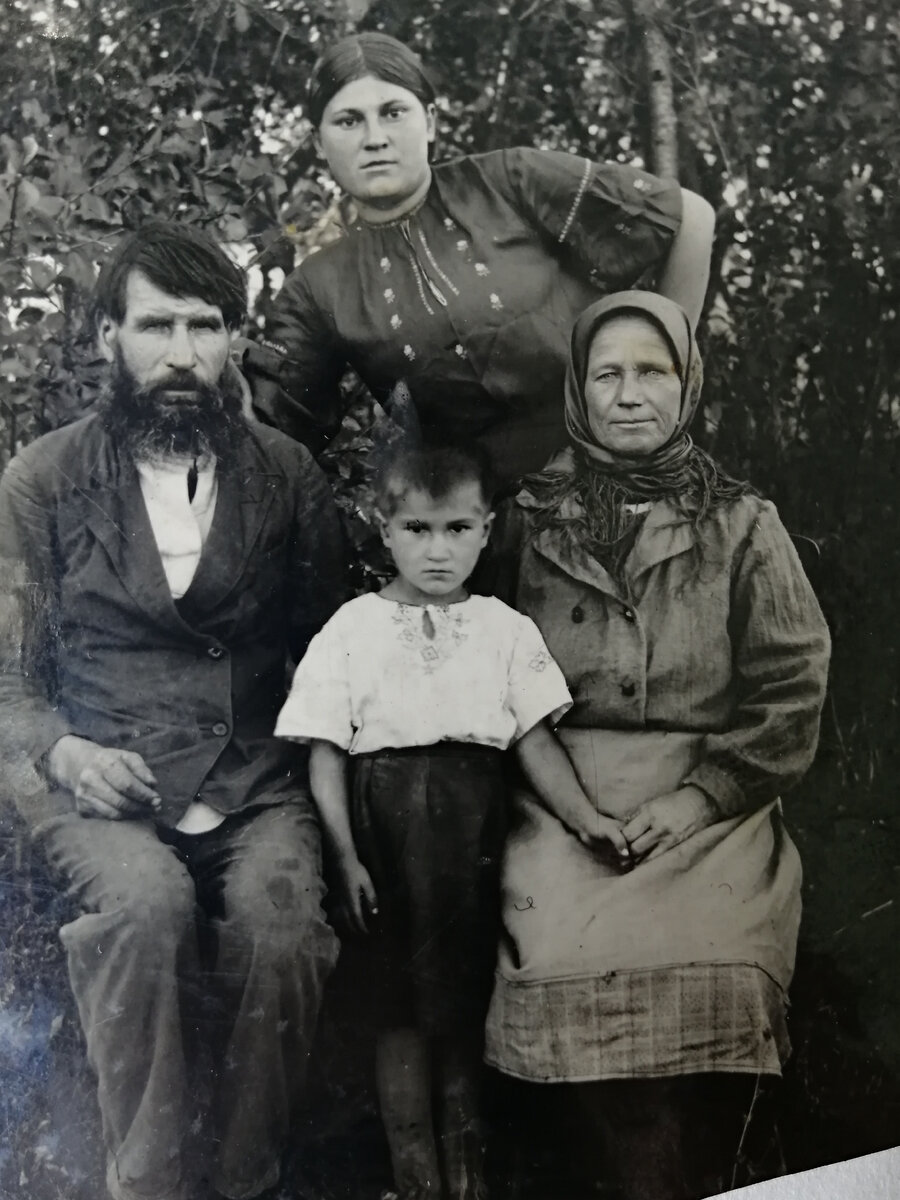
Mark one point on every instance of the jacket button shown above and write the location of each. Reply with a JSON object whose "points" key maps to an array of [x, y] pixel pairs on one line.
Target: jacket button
{"points": [[220, 729], [215, 651], [577, 614], [628, 689], [628, 614]]}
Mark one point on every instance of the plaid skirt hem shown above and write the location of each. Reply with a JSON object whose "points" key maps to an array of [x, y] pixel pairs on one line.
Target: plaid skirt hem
{"points": [[669, 1021]]}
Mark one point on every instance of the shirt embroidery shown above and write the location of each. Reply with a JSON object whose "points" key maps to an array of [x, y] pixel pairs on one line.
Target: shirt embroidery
{"points": [[432, 633], [579, 196]]}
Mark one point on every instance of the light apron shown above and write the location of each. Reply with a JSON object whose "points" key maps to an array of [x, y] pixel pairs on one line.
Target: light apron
{"points": [[574, 923]]}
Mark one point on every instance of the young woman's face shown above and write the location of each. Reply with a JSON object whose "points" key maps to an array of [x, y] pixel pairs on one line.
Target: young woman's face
{"points": [[632, 389], [375, 137]]}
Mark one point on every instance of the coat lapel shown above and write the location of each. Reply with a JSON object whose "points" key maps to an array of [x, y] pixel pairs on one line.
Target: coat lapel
{"points": [[244, 496], [115, 512], [665, 534]]}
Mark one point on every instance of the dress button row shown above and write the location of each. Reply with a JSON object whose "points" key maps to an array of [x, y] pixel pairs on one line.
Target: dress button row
{"points": [[577, 614], [628, 614], [220, 729], [215, 651], [628, 689]]}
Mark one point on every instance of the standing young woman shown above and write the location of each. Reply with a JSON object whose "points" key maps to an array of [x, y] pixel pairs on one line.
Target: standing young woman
{"points": [[461, 280]]}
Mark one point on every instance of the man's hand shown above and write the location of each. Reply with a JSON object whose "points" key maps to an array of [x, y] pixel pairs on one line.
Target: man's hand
{"points": [[108, 783], [663, 822]]}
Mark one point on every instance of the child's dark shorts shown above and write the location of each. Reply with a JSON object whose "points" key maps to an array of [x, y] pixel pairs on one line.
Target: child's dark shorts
{"points": [[429, 825]]}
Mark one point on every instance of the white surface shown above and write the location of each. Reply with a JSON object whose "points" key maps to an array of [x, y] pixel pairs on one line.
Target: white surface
{"points": [[874, 1177]]}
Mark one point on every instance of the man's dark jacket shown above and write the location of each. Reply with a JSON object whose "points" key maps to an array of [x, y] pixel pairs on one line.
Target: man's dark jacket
{"points": [[92, 643]]}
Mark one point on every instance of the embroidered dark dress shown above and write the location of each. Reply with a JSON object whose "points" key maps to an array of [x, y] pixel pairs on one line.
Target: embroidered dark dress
{"points": [[470, 300]]}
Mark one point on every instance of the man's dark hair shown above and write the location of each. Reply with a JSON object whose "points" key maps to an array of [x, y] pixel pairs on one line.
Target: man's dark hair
{"points": [[436, 470], [179, 260]]}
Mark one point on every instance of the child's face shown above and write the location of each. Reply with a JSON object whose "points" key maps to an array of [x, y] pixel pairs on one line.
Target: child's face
{"points": [[436, 543]]}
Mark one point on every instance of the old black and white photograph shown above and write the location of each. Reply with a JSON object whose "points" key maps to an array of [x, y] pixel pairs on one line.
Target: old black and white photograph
{"points": [[449, 669]]}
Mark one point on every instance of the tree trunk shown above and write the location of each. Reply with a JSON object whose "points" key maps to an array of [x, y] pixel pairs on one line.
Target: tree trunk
{"points": [[645, 15]]}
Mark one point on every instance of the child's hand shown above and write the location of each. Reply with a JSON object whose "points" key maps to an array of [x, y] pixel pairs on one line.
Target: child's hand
{"points": [[360, 899], [599, 832]]}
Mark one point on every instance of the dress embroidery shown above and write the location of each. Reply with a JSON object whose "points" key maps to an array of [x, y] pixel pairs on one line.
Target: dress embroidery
{"points": [[579, 196], [496, 302], [395, 322], [389, 295], [385, 264], [433, 261], [482, 269]]}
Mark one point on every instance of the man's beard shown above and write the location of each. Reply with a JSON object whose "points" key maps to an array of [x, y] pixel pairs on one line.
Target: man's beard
{"points": [[152, 422]]}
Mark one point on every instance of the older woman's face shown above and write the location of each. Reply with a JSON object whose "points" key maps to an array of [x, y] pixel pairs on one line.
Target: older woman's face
{"points": [[375, 136], [632, 389]]}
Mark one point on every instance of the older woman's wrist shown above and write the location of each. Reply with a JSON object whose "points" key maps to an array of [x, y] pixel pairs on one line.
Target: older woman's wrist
{"points": [[722, 791]]}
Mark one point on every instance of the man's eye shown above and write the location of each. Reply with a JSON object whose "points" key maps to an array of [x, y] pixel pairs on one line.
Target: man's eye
{"points": [[157, 326], [210, 326]]}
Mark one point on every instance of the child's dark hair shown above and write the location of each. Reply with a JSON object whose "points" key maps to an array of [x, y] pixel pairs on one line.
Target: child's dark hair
{"points": [[435, 470]]}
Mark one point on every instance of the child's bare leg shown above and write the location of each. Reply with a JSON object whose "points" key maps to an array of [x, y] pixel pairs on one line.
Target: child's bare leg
{"points": [[458, 1066], [403, 1079]]}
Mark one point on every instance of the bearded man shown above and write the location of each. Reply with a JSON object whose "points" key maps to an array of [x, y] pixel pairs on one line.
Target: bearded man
{"points": [[159, 560]]}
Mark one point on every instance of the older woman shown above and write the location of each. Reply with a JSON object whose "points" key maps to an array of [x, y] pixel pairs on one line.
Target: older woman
{"points": [[696, 653], [460, 280]]}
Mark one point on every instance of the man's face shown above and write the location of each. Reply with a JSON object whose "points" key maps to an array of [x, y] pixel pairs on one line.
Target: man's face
{"points": [[170, 391], [165, 342]]}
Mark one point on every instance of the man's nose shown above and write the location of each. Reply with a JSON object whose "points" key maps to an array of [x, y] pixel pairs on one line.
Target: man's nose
{"points": [[181, 351]]}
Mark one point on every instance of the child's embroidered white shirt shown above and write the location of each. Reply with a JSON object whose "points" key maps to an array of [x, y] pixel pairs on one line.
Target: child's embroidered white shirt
{"points": [[386, 674]]}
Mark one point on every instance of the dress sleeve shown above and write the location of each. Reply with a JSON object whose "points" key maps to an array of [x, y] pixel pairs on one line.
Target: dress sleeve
{"points": [[537, 689], [617, 221], [319, 704], [295, 373], [781, 650]]}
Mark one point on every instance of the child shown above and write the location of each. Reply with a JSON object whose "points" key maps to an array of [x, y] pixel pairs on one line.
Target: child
{"points": [[424, 687]]}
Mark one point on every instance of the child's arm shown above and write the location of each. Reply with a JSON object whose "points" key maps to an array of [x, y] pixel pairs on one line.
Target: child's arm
{"points": [[549, 771], [328, 780]]}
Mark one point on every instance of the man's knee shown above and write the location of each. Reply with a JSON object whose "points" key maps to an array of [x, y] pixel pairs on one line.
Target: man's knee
{"points": [[275, 890]]}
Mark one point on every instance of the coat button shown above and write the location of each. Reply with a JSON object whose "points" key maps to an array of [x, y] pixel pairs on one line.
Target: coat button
{"points": [[628, 689], [215, 651], [220, 729], [577, 614], [628, 614]]}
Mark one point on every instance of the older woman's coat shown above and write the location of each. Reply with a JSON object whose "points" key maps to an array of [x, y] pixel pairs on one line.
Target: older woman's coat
{"points": [[707, 667]]}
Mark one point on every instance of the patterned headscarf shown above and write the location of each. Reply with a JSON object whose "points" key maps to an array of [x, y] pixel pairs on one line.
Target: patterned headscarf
{"points": [[587, 492], [662, 470]]}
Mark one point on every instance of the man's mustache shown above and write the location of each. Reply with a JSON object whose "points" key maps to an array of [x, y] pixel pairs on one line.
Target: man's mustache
{"points": [[195, 391]]}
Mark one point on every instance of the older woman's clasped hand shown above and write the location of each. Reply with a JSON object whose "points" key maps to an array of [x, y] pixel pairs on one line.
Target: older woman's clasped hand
{"points": [[665, 821]]}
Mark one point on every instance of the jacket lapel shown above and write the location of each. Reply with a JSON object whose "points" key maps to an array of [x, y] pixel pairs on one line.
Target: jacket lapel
{"points": [[115, 512], [244, 496], [664, 534]]}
